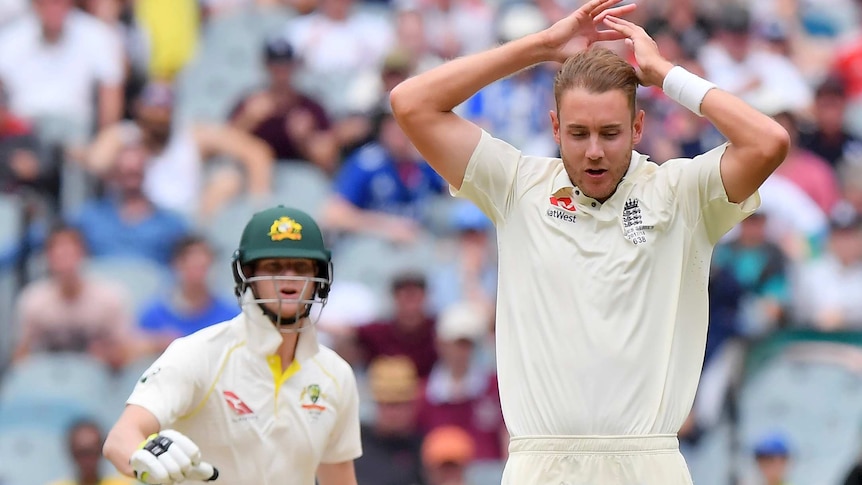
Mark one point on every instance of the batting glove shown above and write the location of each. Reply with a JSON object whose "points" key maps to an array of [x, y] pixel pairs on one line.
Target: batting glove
{"points": [[170, 457]]}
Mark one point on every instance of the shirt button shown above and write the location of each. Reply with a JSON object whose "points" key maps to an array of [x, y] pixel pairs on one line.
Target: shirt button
{"points": [[577, 192], [593, 204]]}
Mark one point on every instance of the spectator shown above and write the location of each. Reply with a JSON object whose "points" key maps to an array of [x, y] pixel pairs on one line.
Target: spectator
{"points": [[71, 311], [760, 268], [462, 389], [829, 139], [805, 169], [516, 108], [458, 27], [828, 289], [737, 64], [410, 332], [383, 188], [773, 458], [191, 304], [471, 274], [125, 222], [294, 126], [337, 43], [175, 177], [85, 442], [446, 453], [20, 164], [52, 59], [391, 445]]}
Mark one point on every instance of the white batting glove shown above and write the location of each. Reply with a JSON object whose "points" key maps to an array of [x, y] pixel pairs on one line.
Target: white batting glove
{"points": [[170, 457]]}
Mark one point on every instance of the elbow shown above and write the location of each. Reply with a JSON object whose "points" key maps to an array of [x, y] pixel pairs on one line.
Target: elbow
{"points": [[775, 144], [402, 101]]}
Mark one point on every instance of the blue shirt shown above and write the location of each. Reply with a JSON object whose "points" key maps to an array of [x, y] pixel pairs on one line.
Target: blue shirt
{"points": [[160, 316], [107, 234], [370, 179]]}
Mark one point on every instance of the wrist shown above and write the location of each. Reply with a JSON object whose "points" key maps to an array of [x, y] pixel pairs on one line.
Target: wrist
{"points": [[686, 88]]}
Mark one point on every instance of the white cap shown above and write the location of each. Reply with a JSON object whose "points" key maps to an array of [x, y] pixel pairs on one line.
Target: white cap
{"points": [[464, 320]]}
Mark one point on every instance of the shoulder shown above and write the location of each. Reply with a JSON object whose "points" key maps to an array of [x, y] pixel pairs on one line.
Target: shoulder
{"points": [[209, 342], [333, 364]]}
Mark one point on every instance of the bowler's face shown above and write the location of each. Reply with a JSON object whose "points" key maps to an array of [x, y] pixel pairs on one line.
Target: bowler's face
{"points": [[596, 135]]}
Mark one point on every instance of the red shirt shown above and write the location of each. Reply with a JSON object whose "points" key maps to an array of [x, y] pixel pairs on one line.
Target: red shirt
{"points": [[385, 338], [481, 416]]}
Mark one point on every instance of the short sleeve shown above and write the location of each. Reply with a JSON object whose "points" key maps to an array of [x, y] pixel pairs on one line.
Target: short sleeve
{"points": [[170, 386], [107, 56], [702, 197], [489, 180], [344, 442]]}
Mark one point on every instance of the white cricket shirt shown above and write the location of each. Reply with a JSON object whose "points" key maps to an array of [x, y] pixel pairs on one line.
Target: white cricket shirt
{"points": [[223, 388], [601, 308]]}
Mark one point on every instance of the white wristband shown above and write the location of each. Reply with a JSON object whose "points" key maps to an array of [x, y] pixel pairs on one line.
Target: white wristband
{"points": [[686, 88]]}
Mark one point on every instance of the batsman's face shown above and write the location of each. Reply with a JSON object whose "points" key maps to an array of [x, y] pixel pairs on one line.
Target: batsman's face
{"points": [[596, 134], [284, 283]]}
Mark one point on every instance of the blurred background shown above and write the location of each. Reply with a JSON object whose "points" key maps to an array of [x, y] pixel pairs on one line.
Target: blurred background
{"points": [[138, 136]]}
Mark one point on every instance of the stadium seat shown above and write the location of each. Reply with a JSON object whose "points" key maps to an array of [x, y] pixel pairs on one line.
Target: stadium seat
{"points": [[301, 184], [485, 472], [10, 220], [142, 279], [32, 457], [812, 403]]}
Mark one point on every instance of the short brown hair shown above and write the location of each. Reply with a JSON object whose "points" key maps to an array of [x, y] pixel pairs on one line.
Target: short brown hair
{"points": [[598, 70]]}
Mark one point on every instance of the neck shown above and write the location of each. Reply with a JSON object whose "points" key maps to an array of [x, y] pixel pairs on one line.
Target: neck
{"points": [[134, 205], [458, 372], [70, 285], [287, 349], [51, 36], [195, 295]]}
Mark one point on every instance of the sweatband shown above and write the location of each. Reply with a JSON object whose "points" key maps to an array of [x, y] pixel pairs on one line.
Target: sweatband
{"points": [[686, 88]]}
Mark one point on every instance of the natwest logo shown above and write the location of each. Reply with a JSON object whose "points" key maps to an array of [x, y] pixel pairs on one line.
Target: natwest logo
{"points": [[565, 203], [235, 403]]}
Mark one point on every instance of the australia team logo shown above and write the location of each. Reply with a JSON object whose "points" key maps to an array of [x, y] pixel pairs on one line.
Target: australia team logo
{"points": [[285, 228], [311, 400]]}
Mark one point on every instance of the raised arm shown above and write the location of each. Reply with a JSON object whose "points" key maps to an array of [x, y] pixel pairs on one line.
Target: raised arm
{"points": [[758, 144], [423, 104]]}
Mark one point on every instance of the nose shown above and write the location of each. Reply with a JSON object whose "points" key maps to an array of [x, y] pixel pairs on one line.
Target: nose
{"points": [[594, 149]]}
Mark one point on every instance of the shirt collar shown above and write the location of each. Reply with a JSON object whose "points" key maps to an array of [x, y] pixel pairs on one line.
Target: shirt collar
{"points": [[562, 180], [263, 338]]}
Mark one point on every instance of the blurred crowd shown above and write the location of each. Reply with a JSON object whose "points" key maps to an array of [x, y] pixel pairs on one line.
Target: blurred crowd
{"points": [[137, 137]]}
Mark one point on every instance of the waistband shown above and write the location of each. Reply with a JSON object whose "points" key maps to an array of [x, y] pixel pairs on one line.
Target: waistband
{"points": [[575, 445]]}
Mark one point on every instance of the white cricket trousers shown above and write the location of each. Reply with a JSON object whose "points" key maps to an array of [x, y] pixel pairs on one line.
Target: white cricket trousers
{"points": [[596, 460]]}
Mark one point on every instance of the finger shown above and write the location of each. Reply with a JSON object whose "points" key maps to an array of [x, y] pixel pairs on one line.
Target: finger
{"points": [[185, 444], [609, 35], [618, 27], [598, 6], [630, 25], [616, 12], [149, 468], [173, 468], [180, 456]]}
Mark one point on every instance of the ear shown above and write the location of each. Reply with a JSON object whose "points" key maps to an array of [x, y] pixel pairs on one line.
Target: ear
{"points": [[555, 123], [638, 127]]}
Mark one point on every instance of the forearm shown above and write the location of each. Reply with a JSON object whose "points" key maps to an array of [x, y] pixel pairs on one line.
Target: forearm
{"points": [[110, 105], [119, 446], [259, 170], [744, 127], [445, 87]]}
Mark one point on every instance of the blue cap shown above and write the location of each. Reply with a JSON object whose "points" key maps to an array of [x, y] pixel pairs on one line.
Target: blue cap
{"points": [[774, 444], [466, 217]]}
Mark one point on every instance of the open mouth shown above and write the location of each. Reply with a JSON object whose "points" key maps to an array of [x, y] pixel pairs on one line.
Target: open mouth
{"points": [[596, 172], [289, 292]]}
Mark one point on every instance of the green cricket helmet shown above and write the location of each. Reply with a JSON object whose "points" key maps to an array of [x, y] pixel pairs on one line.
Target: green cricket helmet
{"points": [[282, 232]]}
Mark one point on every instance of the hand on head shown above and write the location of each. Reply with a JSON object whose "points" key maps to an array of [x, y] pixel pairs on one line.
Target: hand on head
{"points": [[651, 66], [579, 30]]}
